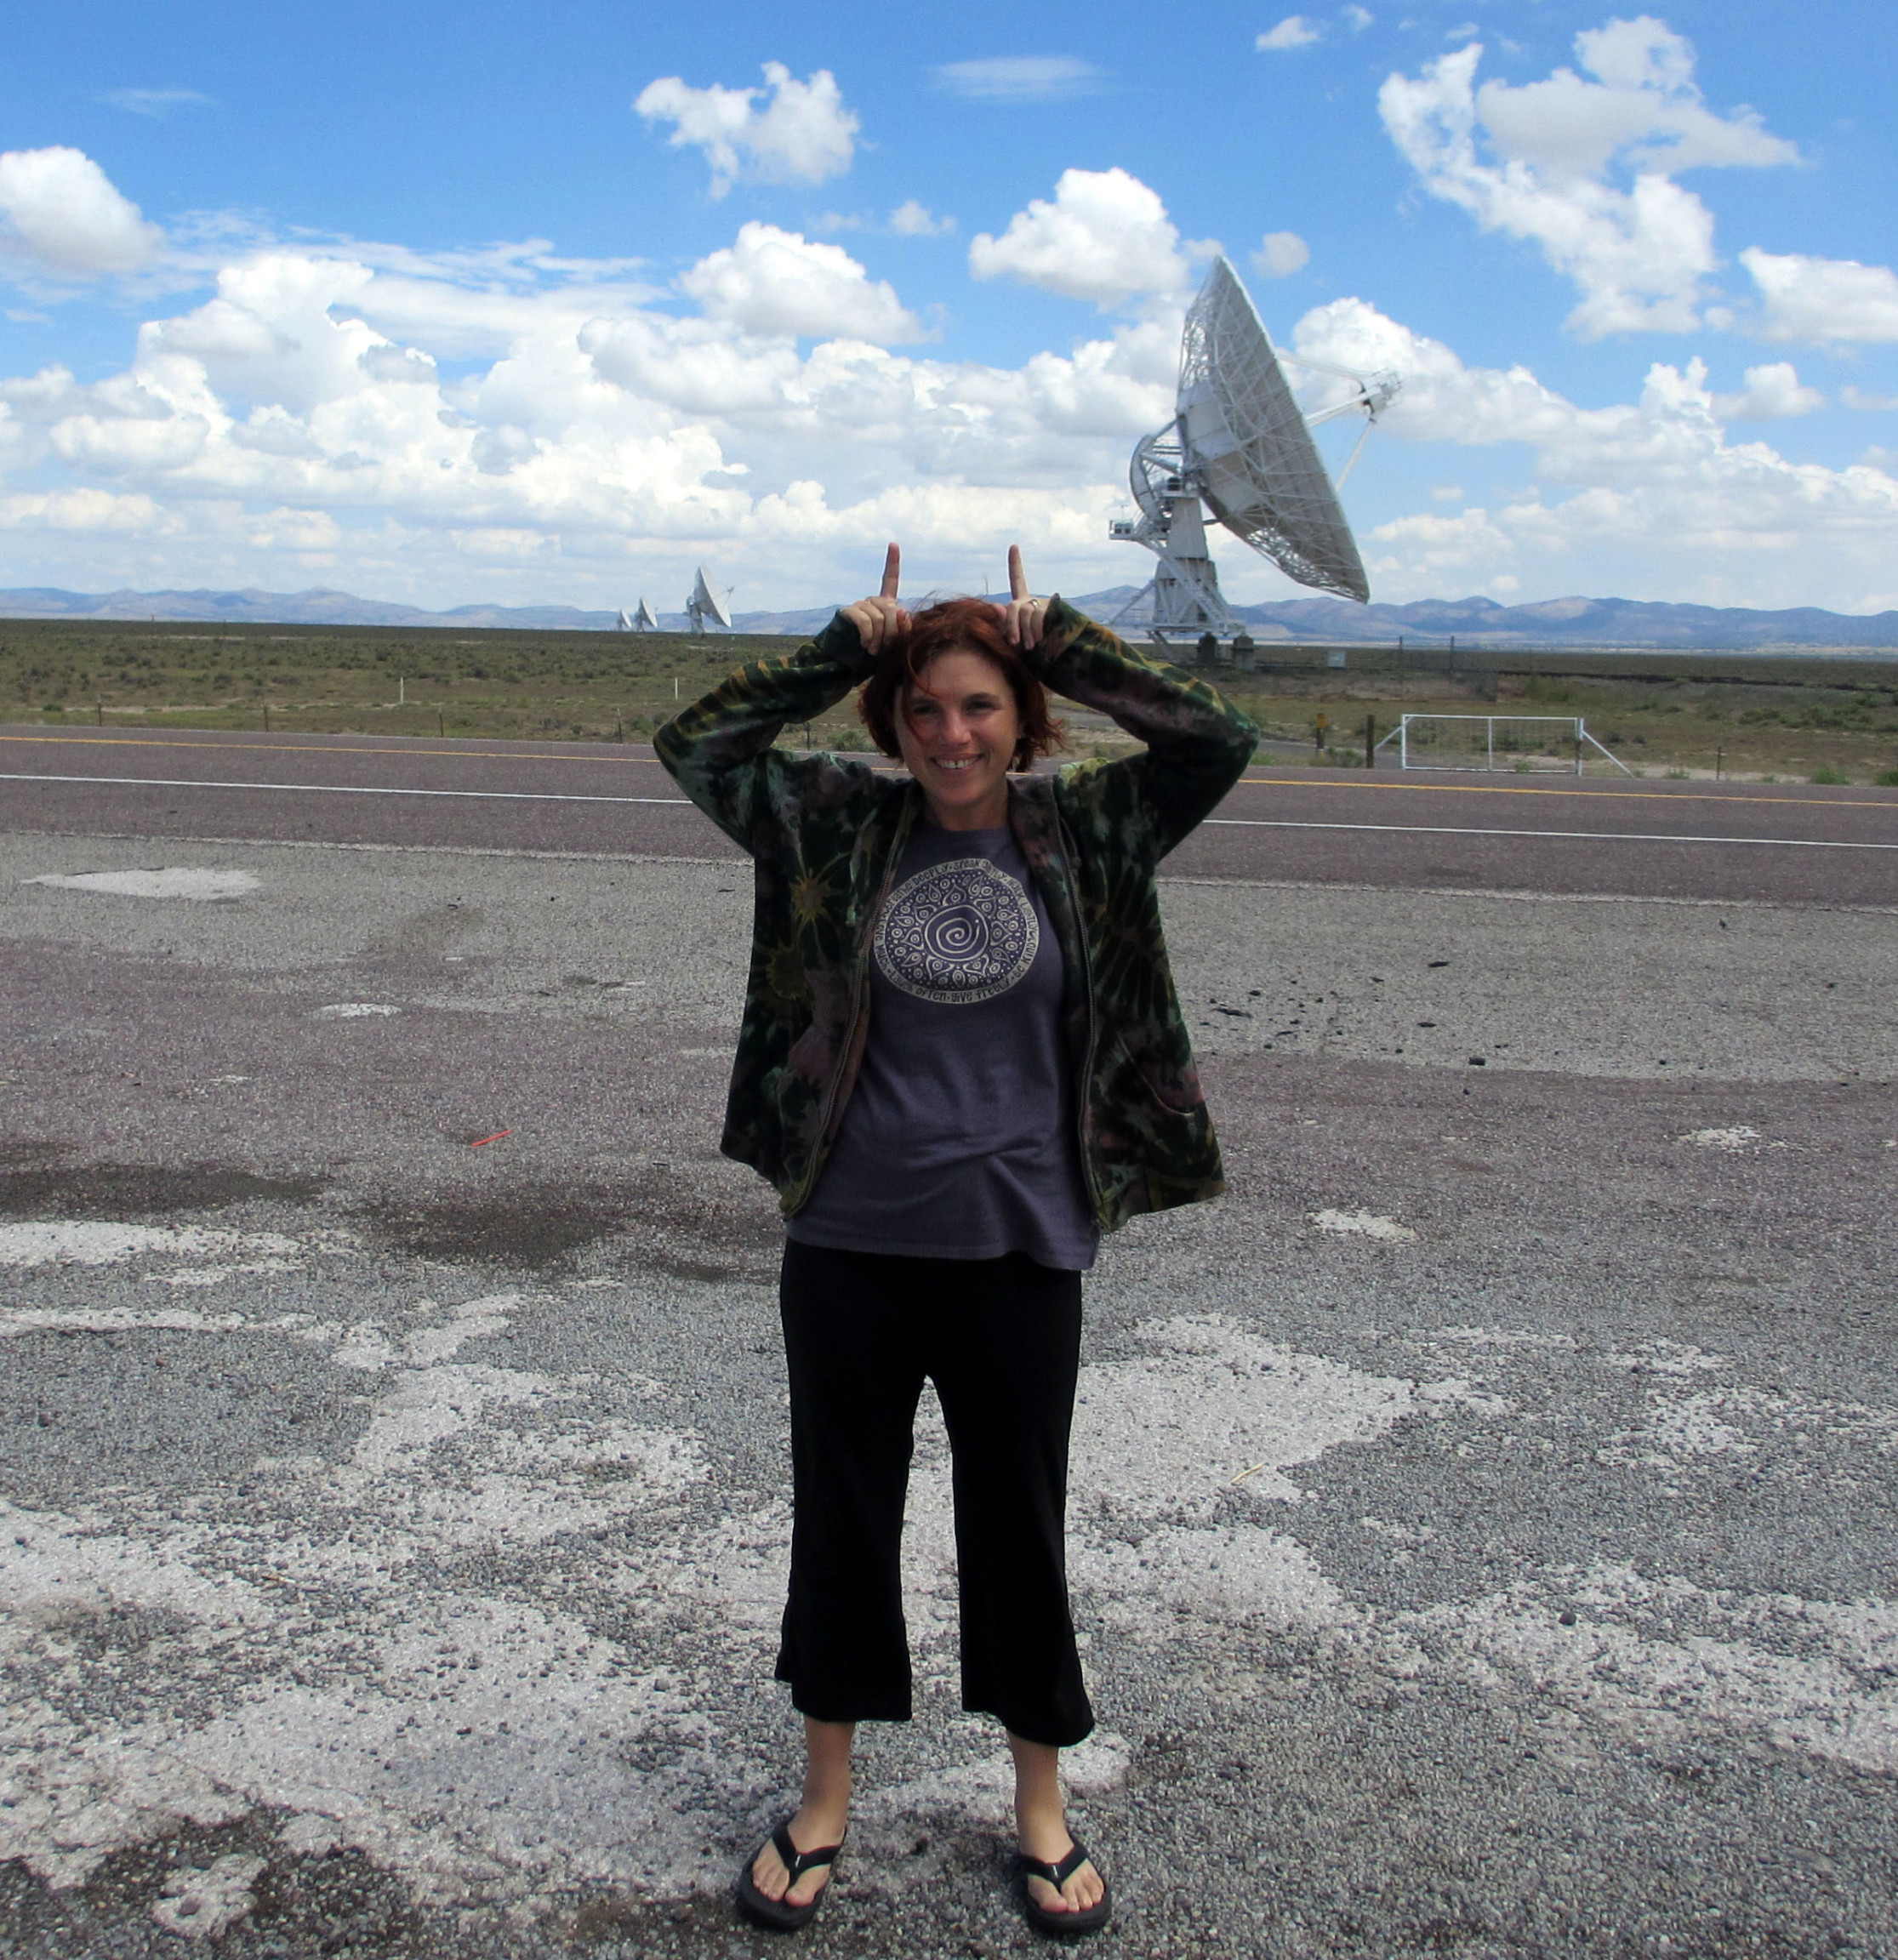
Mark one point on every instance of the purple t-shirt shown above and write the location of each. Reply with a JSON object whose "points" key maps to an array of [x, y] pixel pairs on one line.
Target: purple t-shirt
{"points": [[958, 1141]]}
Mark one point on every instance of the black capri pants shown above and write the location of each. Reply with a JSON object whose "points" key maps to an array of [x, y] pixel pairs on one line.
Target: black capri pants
{"points": [[1000, 1338]]}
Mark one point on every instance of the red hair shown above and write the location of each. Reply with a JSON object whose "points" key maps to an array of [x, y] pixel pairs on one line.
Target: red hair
{"points": [[956, 626]]}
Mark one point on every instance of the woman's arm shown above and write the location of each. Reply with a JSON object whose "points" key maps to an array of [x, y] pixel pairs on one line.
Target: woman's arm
{"points": [[719, 751], [1197, 744]]}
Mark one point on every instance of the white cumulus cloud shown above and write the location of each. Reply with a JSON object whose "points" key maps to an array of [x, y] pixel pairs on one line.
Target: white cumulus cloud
{"points": [[62, 214], [1654, 484], [1771, 393], [801, 134], [912, 219], [1546, 162], [1823, 300], [1106, 237], [771, 282], [1282, 253], [1295, 31], [420, 428]]}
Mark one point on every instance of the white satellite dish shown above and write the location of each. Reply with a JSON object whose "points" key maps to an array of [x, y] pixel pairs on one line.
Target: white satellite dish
{"points": [[624, 623], [645, 620], [704, 604], [1241, 446]]}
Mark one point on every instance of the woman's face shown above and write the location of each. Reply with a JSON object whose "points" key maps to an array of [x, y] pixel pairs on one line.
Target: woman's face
{"points": [[957, 732]]}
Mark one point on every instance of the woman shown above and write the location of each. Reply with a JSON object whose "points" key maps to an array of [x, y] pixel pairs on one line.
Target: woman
{"points": [[961, 1059]]}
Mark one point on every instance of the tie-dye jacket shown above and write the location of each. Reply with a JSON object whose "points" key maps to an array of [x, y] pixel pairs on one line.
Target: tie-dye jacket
{"points": [[825, 836]]}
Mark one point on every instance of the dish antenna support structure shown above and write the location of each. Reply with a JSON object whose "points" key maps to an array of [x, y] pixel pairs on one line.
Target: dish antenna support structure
{"points": [[706, 604], [643, 621], [1240, 447]]}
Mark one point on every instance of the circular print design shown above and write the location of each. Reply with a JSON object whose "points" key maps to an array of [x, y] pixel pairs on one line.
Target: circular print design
{"points": [[957, 933]]}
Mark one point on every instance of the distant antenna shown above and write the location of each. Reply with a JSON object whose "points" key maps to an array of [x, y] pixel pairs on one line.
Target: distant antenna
{"points": [[704, 604], [1240, 445], [624, 623], [645, 620]]}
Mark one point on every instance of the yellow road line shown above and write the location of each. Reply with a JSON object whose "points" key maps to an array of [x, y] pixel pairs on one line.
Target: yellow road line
{"points": [[311, 749]]}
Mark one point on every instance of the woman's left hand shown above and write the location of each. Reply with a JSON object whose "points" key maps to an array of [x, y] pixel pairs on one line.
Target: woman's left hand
{"points": [[1022, 618]]}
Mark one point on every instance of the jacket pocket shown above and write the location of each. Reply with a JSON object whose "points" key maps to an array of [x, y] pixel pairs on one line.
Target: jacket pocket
{"points": [[1134, 1083]]}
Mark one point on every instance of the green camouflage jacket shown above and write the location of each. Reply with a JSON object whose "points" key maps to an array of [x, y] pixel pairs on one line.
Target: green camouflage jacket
{"points": [[826, 835]]}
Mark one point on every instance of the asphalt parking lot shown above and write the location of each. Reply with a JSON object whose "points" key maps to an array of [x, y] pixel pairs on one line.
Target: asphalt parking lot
{"points": [[1483, 1519]]}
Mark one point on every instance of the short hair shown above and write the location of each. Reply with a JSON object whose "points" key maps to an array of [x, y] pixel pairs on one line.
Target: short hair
{"points": [[957, 626]]}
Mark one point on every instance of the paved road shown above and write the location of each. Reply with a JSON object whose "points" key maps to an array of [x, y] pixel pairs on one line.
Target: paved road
{"points": [[1778, 842], [1483, 1519]]}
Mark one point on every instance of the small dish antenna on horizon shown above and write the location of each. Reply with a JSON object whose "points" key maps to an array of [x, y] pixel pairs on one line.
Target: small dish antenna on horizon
{"points": [[706, 604], [645, 620], [1240, 445]]}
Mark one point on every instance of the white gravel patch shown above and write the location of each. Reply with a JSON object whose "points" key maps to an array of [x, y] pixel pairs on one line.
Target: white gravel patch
{"points": [[202, 1905], [1362, 1225], [174, 882], [76, 1242]]}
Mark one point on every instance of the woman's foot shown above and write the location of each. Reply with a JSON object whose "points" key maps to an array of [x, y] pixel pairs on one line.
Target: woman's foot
{"points": [[1041, 1830], [815, 1826], [1046, 1839]]}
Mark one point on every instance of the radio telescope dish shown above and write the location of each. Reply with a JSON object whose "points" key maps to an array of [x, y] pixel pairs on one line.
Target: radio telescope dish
{"points": [[1240, 447], [645, 620], [624, 623], [704, 604]]}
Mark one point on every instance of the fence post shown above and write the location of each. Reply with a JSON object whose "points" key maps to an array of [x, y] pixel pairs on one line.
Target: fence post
{"points": [[1370, 740], [1319, 729]]}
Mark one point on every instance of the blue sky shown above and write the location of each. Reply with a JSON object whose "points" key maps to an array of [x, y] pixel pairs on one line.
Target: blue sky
{"points": [[518, 305]]}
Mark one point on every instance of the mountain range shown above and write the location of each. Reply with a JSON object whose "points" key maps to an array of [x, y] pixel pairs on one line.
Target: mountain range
{"points": [[1474, 623]]}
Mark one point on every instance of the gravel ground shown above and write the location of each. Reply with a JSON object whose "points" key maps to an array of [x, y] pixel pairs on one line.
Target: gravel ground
{"points": [[1483, 1522]]}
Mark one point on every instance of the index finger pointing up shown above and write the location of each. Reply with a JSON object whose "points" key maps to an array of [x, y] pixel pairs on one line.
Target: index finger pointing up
{"points": [[892, 565], [1018, 579]]}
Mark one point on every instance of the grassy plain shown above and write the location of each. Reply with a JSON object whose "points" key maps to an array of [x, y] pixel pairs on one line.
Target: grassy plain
{"points": [[1817, 719]]}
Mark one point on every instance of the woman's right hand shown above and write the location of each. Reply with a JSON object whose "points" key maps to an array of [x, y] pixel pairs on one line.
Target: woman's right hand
{"points": [[878, 620]]}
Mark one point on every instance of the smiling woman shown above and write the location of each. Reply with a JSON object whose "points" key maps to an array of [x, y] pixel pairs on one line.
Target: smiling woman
{"points": [[954, 693], [961, 1060]]}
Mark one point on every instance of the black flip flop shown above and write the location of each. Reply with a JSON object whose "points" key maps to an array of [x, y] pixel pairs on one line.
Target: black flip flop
{"points": [[1062, 1925], [774, 1913]]}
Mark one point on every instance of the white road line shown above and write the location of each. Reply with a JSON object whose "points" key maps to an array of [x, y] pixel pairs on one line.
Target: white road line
{"points": [[1486, 830], [345, 789], [683, 802]]}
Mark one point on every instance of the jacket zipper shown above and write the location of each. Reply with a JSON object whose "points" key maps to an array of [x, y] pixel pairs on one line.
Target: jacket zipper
{"points": [[1093, 1023]]}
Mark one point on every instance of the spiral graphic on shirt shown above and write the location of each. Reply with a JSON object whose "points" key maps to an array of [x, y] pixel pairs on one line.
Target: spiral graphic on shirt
{"points": [[957, 933]]}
